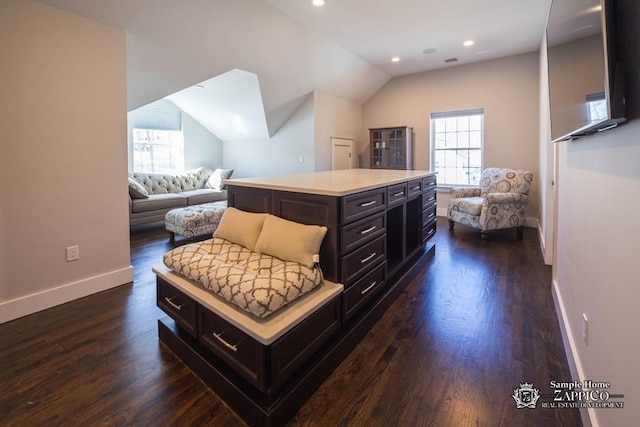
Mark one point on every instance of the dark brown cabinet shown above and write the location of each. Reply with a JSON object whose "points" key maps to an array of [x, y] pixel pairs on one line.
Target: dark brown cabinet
{"points": [[391, 148], [378, 228]]}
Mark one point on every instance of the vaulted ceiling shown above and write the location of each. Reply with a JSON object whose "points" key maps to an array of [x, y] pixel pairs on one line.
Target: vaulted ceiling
{"points": [[293, 48]]}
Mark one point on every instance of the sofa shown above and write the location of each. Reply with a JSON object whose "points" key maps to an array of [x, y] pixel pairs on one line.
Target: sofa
{"points": [[152, 195]]}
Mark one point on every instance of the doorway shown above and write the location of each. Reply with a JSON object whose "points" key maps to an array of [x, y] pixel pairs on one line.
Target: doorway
{"points": [[341, 153]]}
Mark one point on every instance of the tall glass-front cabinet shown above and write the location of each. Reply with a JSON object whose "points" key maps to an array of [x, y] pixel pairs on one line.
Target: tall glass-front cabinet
{"points": [[391, 148]]}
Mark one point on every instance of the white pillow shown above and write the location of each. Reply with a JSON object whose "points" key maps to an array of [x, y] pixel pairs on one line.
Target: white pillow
{"points": [[216, 179]]}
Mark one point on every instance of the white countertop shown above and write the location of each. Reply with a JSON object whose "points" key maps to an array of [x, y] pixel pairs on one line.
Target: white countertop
{"points": [[332, 183]]}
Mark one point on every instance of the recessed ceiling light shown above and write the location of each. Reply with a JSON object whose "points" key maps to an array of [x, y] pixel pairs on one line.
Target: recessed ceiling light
{"points": [[468, 43], [395, 59], [318, 2]]}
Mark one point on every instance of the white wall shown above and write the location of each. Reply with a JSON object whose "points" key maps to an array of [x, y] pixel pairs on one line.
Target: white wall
{"points": [[279, 155], [201, 147], [64, 157], [597, 270], [507, 89], [338, 117]]}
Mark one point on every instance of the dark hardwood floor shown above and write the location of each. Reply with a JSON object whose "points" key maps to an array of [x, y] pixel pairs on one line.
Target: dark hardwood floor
{"points": [[476, 322]]}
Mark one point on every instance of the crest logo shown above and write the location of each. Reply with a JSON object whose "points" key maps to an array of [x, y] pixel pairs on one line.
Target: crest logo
{"points": [[526, 396]]}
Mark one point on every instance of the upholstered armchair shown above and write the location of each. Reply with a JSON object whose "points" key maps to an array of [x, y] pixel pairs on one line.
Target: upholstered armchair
{"points": [[499, 202]]}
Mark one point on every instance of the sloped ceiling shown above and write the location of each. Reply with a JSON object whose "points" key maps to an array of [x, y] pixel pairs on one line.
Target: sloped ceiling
{"points": [[295, 49], [173, 45], [229, 106]]}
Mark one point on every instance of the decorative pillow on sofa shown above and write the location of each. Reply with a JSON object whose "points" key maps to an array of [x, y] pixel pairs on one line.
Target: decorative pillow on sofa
{"points": [[137, 190], [290, 241], [216, 179], [240, 227]]}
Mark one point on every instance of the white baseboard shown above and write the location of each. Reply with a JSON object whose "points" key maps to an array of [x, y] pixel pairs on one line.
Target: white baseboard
{"points": [[575, 366], [29, 304]]}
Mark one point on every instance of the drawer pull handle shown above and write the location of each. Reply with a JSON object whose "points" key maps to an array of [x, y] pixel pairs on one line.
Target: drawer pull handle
{"points": [[362, 261], [431, 232], [398, 194], [368, 230], [365, 204], [226, 344], [364, 291], [431, 215], [173, 304], [417, 187]]}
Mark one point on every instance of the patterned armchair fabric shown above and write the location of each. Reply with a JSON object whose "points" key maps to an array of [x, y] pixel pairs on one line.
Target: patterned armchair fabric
{"points": [[499, 202]]}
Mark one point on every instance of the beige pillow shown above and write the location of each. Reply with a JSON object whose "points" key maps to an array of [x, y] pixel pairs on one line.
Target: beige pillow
{"points": [[240, 227], [290, 241]]}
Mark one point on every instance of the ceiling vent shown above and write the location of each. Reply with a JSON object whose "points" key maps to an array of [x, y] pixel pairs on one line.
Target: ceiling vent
{"points": [[451, 60]]}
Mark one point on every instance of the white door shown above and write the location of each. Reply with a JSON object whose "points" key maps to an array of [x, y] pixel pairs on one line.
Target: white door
{"points": [[341, 153]]}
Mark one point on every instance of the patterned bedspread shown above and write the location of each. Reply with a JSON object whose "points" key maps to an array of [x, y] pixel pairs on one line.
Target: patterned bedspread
{"points": [[257, 283]]}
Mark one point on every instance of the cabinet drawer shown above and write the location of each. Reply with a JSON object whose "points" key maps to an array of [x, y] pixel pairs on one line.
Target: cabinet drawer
{"points": [[362, 260], [241, 352], [429, 183], [360, 205], [178, 305], [291, 351], [396, 194], [428, 199], [428, 231], [363, 290], [360, 232], [428, 215], [415, 187]]}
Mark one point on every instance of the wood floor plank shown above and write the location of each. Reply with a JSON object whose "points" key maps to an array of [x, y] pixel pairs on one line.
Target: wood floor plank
{"points": [[475, 322]]}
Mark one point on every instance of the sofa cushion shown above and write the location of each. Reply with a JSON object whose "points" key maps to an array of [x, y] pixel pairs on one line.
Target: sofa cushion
{"points": [[136, 190], [216, 179], [256, 283], [159, 201], [240, 227], [470, 205], [290, 241], [204, 195]]}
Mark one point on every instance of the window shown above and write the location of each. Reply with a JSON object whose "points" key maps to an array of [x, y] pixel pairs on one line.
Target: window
{"points": [[596, 107], [159, 151], [157, 141], [456, 146]]}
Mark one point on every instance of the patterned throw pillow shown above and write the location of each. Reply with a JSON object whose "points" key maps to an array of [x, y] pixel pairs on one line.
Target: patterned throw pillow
{"points": [[136, 190], [216, 179]]}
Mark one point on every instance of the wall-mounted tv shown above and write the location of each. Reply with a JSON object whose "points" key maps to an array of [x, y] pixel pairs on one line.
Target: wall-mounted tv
{"points": [[586, 87]]}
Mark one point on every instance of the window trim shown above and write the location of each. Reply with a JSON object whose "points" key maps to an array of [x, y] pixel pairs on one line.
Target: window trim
{"points": [[432, 149]]}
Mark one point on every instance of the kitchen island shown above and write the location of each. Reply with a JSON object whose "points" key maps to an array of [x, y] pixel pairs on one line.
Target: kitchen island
{"points": [[379, 225]]}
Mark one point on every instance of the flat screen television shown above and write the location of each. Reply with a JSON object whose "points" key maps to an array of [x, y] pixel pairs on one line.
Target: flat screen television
{"points": [[586, 87]]}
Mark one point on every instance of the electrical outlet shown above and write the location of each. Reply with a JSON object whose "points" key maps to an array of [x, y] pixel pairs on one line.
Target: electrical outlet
{"points": [[585, 328], [73, 253]]}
